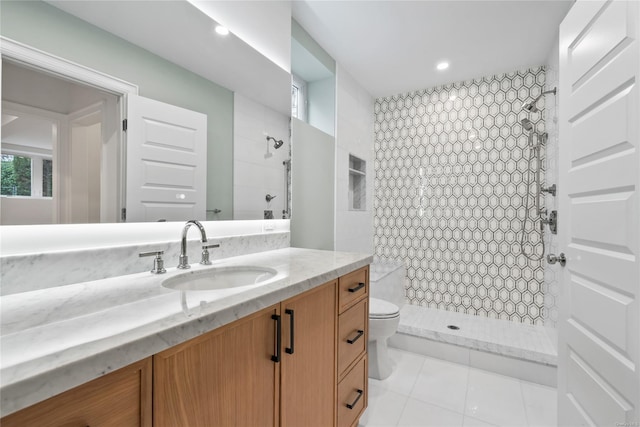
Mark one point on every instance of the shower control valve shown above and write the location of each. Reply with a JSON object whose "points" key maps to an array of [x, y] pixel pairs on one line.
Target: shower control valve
{"points": [[553, 259], [551, 189], [552, 221]]}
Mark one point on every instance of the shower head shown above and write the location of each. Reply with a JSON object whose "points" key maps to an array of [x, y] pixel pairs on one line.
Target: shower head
{"points": [[526, 124], [531, 106], [277, 143]]}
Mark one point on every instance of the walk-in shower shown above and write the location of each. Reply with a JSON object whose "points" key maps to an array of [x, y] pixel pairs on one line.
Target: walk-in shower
{"points": [[534, 212]]}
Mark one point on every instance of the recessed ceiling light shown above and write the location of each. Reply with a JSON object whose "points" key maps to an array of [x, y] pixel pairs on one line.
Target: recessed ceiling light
{"points": [[223, 31], [442, 65]]}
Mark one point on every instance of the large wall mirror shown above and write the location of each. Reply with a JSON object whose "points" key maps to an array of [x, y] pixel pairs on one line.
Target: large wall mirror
{"points": [[63, 149]]}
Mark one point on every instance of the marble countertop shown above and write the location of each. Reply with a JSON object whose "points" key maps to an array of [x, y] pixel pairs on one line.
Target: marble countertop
{"points": [[55, 339]]}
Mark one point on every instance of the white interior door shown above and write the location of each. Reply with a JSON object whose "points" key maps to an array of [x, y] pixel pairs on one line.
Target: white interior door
{"points": [[166, 162], [598, 379]]}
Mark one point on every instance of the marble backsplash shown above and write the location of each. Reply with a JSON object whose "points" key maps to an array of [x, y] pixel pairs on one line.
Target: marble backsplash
{"points": [[23, 273]]}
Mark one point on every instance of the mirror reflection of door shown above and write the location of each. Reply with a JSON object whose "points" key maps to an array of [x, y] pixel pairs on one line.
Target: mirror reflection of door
{"points": [[60, 153]]}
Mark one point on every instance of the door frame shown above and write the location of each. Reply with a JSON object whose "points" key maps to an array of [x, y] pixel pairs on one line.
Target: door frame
{"points": [[36, 59]]}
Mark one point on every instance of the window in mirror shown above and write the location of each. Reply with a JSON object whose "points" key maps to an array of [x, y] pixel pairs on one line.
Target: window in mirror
{"points": [[298, 98], [26, 176]]}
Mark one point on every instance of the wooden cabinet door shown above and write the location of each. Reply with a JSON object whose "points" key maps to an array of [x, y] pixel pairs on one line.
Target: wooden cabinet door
{"points": [[308, 374], [119, 399], [223, 378]]}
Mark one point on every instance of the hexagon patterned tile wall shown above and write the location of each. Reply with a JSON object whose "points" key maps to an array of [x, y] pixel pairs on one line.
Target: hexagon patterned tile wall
{"points": [[450, 186]]}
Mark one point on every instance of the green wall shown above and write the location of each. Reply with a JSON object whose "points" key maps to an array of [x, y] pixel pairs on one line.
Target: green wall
{"points": [[47, 28]]}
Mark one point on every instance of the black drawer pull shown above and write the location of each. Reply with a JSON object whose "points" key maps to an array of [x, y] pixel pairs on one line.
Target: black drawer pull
{"points": [[357, 288], [276, 358], [352, 405], [289, 350], [357, 337]]}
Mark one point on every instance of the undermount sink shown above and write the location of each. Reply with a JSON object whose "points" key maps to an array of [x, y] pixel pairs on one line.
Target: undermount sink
{"points": [[220, 278]]}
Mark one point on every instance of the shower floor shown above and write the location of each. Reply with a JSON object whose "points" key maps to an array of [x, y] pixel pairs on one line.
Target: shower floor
{"points": [[498, 345]]}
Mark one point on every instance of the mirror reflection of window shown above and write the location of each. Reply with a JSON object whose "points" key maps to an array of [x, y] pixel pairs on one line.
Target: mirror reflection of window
{"points": [[294, 100], [298, 98], [26, 176]]}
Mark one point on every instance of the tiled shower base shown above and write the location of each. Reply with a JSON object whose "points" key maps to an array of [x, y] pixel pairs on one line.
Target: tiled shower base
{"points": [[524, 351]]}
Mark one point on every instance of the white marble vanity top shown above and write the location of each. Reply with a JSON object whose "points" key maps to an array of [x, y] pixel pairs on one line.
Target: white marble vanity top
{"points": [[55, 339]]}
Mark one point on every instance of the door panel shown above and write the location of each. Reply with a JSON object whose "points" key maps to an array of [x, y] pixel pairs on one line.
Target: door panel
{"points": [[599, 330], [166, 162]]}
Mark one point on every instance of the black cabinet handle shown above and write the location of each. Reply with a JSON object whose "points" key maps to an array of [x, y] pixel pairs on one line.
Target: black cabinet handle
{"points": [[352, 405], [357, 288], [357, 337], [289, 311], [276, 358]]}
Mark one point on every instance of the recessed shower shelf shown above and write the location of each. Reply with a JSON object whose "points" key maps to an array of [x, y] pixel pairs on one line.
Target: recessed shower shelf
{"points": [[357, 184]]}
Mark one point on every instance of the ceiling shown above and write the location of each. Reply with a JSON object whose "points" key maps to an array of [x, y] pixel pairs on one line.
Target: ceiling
{"points": [[393, 47], [182, 32], [26, 131]]}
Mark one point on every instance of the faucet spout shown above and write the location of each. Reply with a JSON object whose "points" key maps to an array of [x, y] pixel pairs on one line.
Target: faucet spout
{"points": [[184, 259]]}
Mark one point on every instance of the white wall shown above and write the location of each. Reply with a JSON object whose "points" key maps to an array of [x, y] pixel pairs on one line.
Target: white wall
{"points": [[84, 174], [354, 135], [26, 210], [321, 96], [255, 176], [312, 187]]}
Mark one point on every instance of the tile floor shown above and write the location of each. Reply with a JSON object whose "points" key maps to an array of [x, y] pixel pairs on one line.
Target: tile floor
{"points": [[423, 391]]}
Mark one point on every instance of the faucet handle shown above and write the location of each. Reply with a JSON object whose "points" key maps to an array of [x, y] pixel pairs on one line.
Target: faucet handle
{"points": [[205, 253], [158, 262]]}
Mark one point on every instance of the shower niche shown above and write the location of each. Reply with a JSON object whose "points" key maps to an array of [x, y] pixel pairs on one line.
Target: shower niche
{"points": [[357, 184]]}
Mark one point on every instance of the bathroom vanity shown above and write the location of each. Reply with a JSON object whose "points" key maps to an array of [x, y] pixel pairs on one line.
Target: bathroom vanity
{"points": [[289, 352]]}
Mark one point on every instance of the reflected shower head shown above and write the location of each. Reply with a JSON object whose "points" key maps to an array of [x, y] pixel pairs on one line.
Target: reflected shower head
{"points": [[277, 143], [526, 124], [531, 106]]}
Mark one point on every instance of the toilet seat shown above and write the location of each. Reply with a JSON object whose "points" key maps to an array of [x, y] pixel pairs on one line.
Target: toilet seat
{"points": [[380, 309]]}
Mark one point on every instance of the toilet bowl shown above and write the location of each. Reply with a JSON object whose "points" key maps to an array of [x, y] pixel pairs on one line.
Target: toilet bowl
{"points": [[387, 297], [384, 318]]}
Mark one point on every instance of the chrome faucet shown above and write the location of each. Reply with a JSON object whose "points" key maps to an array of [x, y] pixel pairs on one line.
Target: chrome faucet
{"points": [[184, 259]]}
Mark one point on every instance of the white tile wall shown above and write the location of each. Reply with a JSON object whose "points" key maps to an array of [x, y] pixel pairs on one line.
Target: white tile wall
{"points": [[451, 166], [255, 176], [354, 135]]}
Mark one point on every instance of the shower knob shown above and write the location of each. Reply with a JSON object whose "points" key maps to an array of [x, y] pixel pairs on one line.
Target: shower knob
{"points": [[552, 259]]}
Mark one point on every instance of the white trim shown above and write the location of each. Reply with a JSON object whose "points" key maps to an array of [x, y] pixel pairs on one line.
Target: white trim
{"points": [[35, 58]]}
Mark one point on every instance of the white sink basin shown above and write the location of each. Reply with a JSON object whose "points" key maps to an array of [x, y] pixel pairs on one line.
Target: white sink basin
{"points": [[220, 278]]}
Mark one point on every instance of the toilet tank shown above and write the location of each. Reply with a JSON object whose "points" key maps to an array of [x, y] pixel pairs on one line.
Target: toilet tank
{"points": [[386, 280]]}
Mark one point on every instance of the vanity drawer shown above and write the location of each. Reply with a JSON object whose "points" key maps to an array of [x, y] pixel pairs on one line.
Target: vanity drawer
{"points": [[352, 395], [352, 335], [352, 287]]}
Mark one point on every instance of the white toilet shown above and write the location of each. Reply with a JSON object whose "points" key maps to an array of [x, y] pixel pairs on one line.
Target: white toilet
{"points": [[386, 279]]}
